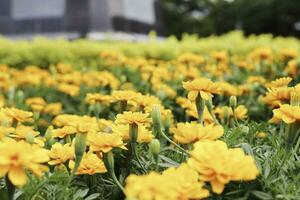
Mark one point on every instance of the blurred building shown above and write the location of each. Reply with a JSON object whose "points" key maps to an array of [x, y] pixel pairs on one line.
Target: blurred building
{"points": [[82, 16]]}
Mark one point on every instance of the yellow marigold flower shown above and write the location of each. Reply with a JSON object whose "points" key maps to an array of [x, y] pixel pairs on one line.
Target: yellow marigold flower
{"points": [[287, 113], [36, 103], [287, 54], [72, 90], [186, 133], [185, 185], [63, 132], [220, 56], [218, 164], [104, 142], [16, 157], [85, 126], [146, 101], [132, 118], [93, 98], [60, 154], [63, 68], [262, 54], [280, 82], [292, 68], [29, 134], [90, 164], [64, 120], [240, 112], [17, 114], [187, 180], [256, 79], [144, 135], [82, 124], [124, 95], [190, 58], [276, 96], [203, 86], [24, 131], [53, 109]]}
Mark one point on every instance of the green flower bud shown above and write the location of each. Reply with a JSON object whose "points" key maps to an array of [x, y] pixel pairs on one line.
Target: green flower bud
{"points": [[156, 120], [109, 161], [232, 101], [80, 145], [154, 146], [226, 114]]}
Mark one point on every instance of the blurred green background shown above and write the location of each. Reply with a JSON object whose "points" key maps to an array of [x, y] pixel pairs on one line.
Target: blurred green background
{"points": [[206, 17]]}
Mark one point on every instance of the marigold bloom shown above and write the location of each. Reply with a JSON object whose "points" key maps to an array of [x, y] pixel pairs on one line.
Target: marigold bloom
{"points": [[16, 157], [218, 164], [185, 185], [72, 90], [60, 154], [287, 113], [93, 98], [186, 133], [280, 82], [203, 86], [132, 118], [288, 54], [36, 103], [276, 96], [17, 114], [124, 95], [104, 142], [90, 164], [292, 68], [53, 109]]}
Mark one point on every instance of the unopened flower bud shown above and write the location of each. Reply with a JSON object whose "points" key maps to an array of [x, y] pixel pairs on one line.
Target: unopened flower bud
{"points": [[232, 101], [80, 145], [154, 146], [156, 119], [109, 161]]}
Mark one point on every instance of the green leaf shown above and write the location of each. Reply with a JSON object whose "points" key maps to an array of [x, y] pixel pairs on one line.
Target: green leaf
{"points": [[261, 195], [92, 196], [80, 193]]}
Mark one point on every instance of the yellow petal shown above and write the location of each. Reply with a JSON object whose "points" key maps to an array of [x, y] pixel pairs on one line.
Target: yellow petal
{"points": [[17, 176], [217, 186], [192, 95], [3, 170]]}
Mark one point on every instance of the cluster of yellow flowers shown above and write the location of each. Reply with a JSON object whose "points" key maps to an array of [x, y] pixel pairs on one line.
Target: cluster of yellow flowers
{"points": [[78, 119]]}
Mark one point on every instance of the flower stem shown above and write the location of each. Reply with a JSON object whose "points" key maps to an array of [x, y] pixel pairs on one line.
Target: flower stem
{"points": [[110, 166], [10, 189], [200, 105]]}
